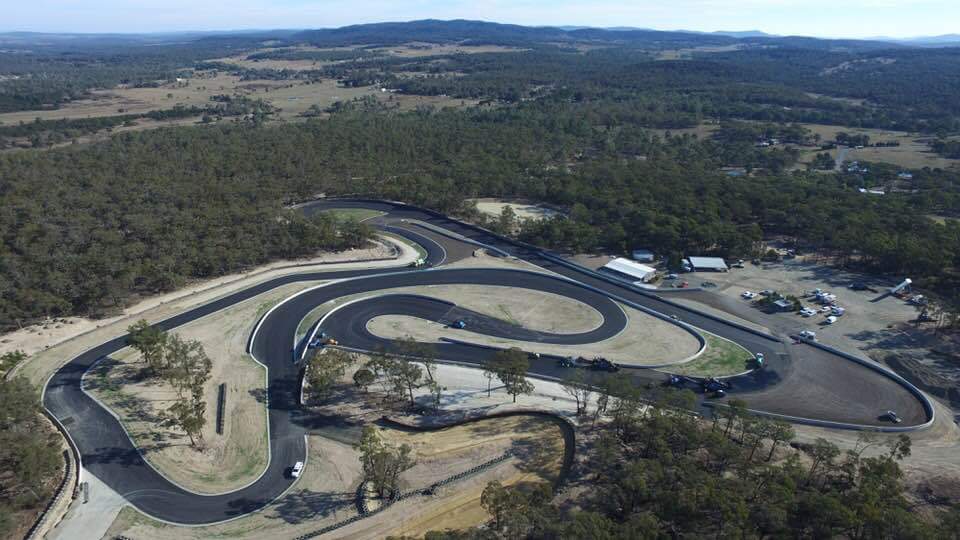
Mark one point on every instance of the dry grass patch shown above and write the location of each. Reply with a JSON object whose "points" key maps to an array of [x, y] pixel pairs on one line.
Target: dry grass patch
{"points": [[538, 442], [531, 309], [413, 50], [646, 340]]}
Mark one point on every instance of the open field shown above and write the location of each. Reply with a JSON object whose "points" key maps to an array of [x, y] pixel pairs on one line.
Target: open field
{"points": [[435, 49], [701, 131], [292, 97], [224, 462], [912, 152], [684, 54], [120, 100]]}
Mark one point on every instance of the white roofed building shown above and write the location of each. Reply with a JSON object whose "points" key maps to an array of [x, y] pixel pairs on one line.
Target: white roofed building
{"points": [[707, 264], [631, 270]]}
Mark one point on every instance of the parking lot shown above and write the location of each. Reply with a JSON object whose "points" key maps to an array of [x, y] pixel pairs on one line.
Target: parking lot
{"points": [[867, 316]]}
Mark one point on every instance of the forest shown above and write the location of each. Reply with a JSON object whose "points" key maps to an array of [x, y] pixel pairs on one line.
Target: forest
{"points": [[585, 120], [87, 227], [658, 472]]}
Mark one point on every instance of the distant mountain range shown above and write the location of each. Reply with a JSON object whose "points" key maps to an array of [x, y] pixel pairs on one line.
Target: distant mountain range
{"points": [[945, 40], [481, 32]]}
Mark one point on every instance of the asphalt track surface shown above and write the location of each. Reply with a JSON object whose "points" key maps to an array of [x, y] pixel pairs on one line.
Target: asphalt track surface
{"points": [[797, 380]]}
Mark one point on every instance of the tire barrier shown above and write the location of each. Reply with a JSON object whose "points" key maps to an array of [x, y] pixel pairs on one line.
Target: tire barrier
{"points": [[221, 406], [61, 491]]}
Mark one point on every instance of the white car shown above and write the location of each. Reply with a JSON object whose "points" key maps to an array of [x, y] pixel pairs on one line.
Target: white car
{"points": [[808, 335], [831, 319], [807, 312], [296, 470], [748, 295]]}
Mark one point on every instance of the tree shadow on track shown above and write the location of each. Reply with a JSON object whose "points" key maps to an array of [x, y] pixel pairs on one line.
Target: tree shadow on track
{"points": [[303, 505]]}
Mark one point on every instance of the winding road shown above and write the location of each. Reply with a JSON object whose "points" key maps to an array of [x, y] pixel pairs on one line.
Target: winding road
{"points": [[799, 381]]}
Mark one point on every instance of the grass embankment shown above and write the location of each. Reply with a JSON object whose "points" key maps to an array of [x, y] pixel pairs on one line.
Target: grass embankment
{"points": [[721, 358]]}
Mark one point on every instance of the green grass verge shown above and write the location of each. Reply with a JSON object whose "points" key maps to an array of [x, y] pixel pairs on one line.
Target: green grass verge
{"points": [[722, 358], [358, 214]]}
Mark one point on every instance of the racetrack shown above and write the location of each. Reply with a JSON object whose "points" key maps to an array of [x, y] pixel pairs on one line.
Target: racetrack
{"points": [[798, 380]]}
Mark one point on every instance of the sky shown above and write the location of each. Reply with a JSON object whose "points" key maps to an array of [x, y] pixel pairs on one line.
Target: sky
{"points": [[820, 18]]}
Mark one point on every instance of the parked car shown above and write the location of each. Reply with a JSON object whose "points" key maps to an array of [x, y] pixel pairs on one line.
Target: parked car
{"points": [[602, 364], [708, 284], [296, 469], [807, 312], [714, 384], [807, 335], [748, 295], [682, 285], [838, 311], [671, 276], [830, 320], [767, 292]]}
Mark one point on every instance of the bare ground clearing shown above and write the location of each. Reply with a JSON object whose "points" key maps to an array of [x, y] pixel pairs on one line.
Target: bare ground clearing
{"points": [[523, 210]]}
